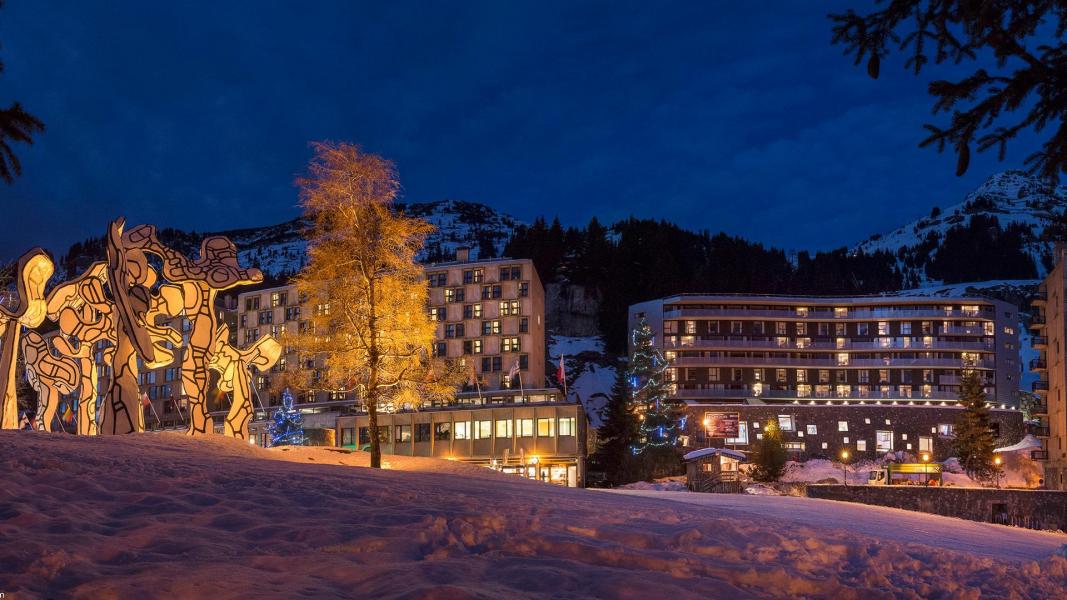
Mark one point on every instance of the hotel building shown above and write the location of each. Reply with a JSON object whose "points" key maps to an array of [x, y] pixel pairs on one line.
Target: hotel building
{"points": [[1049, 326], [900, 359], [489, 316]]}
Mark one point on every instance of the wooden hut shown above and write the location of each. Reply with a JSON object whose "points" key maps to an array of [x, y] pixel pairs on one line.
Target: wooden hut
{"points": [[714, 470]]}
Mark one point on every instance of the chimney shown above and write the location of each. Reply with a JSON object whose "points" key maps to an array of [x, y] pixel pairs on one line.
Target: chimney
{"points": [[463, 254]]}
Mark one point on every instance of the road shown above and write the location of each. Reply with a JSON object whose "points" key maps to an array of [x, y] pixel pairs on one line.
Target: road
{"points": [[983, 539]]}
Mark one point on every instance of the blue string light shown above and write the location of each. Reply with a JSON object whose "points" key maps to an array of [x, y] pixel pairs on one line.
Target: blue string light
{"points": [[287, 425]]}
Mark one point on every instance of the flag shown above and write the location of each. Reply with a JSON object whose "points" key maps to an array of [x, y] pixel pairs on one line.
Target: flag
{"points": [[145, 402], [561, 372], [68, 414], [514, 370]]}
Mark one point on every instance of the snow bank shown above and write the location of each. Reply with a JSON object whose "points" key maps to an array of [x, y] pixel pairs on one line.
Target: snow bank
{"points": [[164, 515], [666, 484]]}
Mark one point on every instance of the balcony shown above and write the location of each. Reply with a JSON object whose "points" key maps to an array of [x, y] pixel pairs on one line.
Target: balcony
{"points": [[719, 391], [1038, 301], [790, 313], [1039, 386], [771, 342], [1038, 364], [1039, 341], [1039, 410], [1039, 455], [1040, 431], [740, 361], [962, 330], [1037, 322]]}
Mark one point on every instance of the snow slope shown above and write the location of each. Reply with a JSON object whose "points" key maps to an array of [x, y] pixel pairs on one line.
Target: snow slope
{"points": [[891, 524], [590, 372], [1013, 197], [165, 515]]}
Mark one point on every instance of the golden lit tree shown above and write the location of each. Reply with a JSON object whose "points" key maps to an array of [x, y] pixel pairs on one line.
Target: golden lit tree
{"points": [[363, 295]]}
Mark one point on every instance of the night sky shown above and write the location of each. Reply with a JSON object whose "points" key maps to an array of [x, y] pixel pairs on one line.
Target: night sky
{"points": [[715, 115]]}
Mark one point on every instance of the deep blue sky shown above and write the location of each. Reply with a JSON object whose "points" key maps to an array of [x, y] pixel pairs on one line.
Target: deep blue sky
{"points": [[715, 114]]}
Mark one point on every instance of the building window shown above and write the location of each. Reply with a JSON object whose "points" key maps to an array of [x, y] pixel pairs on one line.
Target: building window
{"points": [[735, 327], [524, 289], [742, 434], [802, 329], [346, 436], [252, 303], [861, 445], [437, 279], [839, 329], [780, 328], [884, 441], [503, 428], [524, 325], [442, 432], [862, 329], [785, 422], [472, 346], [463, 430], [473, 276], [780, 375], [491, 292], [567, 426], [736, 374], [266, 317], [883, 375], [926, 444], [713, 373], [510, 273], [842, 425], [546, 427], [511, 344], [945, 430], [455, 295], [422, 432], [483, 430], [883, 327], [402, 434], [509, 308], [757, 328], [812, 430], [525, 427], [905, 328], [491, 327], [278, 299], [802, 376]]}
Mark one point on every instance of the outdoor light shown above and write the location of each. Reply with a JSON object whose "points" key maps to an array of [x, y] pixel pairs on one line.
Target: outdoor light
{"points": [[844, 463], [996, 463]]}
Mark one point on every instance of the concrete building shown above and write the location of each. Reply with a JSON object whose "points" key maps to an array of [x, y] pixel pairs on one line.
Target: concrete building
{"points": [[888, 368], [1050, 336]]}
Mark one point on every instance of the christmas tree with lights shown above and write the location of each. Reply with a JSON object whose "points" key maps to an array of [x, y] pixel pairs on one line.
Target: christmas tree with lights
{"points": [[287, 424], [662, 419]]}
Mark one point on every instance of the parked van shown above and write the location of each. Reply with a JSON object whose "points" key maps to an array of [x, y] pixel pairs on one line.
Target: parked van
{"points": [[906, 474]]}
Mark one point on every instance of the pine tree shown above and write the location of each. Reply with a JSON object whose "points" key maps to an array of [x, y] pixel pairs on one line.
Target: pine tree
{"points": [[287, 424], [769, 455], [974, 441], [661, 418], [618, 434]]}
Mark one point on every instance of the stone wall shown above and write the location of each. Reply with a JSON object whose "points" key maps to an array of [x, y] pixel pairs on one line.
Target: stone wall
{"points": [[1034, 509]]}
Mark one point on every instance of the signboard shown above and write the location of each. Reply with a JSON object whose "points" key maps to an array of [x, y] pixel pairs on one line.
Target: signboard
{"points": [[722, 425]]}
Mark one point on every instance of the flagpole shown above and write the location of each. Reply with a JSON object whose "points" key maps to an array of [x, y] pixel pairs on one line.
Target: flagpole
{"points": [[563, 369], [522, 390]]}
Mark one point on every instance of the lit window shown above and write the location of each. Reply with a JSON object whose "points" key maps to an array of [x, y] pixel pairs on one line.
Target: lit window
{"points": [[567, 426], [842, 425], [545, 427], [463, 430], [503, 428]]}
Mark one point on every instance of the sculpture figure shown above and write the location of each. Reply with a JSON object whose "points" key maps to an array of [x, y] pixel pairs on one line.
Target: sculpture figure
{"points": [[85, 318], [49, 375], [137, 336], [33, 271], [201, 280], [233, 366]]}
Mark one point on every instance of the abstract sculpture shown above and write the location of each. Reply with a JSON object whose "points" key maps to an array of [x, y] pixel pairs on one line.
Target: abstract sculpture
{"points": [[34, 270], [112, 316], [49, 376], [201, 281], [233, 367]]}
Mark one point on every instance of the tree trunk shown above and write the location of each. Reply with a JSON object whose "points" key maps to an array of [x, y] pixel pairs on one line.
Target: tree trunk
{"points": [[372, 382], [375, 443]]}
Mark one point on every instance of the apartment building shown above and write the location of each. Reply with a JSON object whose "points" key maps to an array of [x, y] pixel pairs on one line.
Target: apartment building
{"points": [[1049, 324], [491, 313], [868, 360]]}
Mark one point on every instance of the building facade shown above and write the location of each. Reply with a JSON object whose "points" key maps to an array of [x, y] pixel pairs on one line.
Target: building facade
{"points": [[543, 438], [867, 374], [1049, 324], [770, 349]]}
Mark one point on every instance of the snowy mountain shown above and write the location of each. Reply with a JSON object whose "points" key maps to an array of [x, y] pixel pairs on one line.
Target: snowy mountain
{"points": [[280, 250], [1018, 203]]}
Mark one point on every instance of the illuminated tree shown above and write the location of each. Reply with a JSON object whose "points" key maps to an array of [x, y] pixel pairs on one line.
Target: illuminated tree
{"points": [[287, 424], [362, 292], [974, 442], [768, 454], [661, 417]]}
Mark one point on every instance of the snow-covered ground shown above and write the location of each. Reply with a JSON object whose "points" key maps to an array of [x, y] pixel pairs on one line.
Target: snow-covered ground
{"points": [[1018, 471], [164, 515], [908, 527]]}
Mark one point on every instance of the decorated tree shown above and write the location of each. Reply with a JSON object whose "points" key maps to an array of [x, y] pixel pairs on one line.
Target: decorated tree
{"points": [[363, 293], [618, 435], [661, 418], [287, 424], [768, 454], [974, 441]]}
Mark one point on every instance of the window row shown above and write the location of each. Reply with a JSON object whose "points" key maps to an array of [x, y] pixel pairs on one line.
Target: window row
{"points": [[468, 430], [884, 328]]}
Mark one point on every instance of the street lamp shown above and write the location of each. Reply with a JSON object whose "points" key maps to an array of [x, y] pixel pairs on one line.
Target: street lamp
{"points": [[926, 472], [844, 464], [996, 464]]}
